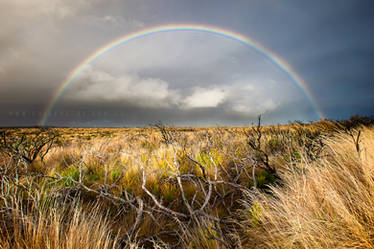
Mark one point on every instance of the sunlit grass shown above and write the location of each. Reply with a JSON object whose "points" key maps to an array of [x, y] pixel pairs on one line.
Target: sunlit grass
{"points": [[329, 205], [322, 186]]}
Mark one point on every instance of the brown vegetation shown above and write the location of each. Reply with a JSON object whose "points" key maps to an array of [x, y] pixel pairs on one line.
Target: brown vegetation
{"points": [[294, 186]]}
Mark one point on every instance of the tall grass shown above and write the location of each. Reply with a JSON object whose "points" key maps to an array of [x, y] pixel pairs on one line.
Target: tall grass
{"points": [[296, 186], [33, 219], [328, 203]]}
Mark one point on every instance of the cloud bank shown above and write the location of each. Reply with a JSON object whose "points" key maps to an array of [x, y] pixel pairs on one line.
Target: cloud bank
{"points": [[183, 77]]}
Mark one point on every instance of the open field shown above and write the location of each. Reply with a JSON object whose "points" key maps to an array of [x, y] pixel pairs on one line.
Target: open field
{"points": [[292, 186]]}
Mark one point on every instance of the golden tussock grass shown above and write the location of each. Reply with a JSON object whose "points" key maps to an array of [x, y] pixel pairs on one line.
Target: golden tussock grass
{"points": [[48, 224], [328, 203], [320, 194]]}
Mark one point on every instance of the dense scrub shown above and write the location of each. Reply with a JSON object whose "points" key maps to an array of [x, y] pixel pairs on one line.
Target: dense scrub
{"points": [[294, 186]]}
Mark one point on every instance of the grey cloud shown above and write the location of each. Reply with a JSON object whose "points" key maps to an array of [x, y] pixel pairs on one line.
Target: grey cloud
{"points": [[96, 84], [186, 77], [249, 96]]}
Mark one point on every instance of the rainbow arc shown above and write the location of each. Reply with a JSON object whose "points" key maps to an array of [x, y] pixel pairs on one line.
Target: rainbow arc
{"points": [[271, 56]]}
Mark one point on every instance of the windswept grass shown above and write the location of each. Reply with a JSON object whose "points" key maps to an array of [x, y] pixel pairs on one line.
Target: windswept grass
{"points": [[328, 203], [53, 223], [293, 186]]}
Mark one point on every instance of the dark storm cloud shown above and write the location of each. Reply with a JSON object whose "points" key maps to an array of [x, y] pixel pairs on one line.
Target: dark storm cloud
{"points": [[342, 66], [329, 43]]}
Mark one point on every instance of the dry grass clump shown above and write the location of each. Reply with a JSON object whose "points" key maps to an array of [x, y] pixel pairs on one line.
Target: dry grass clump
{"points": [[327, 203], [52, 223]]}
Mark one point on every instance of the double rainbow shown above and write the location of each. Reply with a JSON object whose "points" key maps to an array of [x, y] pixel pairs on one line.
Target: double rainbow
{"points": [[276, 60]]}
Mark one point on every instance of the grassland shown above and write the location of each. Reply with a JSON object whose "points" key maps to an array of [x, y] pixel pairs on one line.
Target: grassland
{"points": [[292, 186]]}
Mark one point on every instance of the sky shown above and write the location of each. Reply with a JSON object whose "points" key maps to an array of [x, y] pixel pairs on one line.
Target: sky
{"points": [[185, 78]]}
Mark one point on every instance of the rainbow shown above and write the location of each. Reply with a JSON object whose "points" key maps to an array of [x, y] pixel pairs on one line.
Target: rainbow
{"points": [[283, 65]]}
